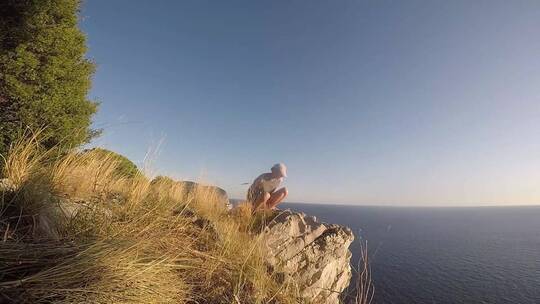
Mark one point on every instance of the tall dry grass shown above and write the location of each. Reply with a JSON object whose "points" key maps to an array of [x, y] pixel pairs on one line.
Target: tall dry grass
{"points": [[365, 290], [24, 159], [74, 231]]}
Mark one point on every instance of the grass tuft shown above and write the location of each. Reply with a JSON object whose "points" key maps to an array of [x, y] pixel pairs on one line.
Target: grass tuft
{"points": [[365, 290]]}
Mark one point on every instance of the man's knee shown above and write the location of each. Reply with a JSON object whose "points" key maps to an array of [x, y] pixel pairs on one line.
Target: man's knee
{"points": [[285, 191]]}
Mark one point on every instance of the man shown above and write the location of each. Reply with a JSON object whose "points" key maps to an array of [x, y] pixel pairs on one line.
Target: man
{"points": [[263, 193]]}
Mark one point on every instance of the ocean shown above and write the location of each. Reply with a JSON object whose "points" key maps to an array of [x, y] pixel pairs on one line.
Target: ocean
{"points": [[445, 255]]}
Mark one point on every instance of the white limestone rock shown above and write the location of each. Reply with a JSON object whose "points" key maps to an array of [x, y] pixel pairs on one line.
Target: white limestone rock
{"points": [[315, 255]]}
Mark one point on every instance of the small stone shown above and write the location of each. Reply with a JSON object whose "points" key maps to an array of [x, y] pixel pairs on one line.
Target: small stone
{"points": [[6, 185]]}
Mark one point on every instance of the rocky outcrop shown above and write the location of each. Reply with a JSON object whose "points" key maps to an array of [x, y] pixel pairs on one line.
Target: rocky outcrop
{"points": [[220, 194], [311, 254], [314, 255]]}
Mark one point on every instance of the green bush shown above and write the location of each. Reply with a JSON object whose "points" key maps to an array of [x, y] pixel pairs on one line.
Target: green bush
{"points": [[125, 167], [163, 179], [44, 75]]}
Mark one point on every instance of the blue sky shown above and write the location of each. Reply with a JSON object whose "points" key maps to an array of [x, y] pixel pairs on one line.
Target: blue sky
{"points": [[367, 102]]}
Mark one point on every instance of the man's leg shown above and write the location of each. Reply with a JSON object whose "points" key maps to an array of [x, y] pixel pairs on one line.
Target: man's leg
{"points": [[276, 197], [261, 201]]}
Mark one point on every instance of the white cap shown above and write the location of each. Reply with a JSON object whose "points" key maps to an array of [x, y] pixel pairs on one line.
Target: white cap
{"points": [[281, 168]]}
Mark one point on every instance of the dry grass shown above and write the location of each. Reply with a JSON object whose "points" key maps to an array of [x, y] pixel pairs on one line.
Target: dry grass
{"points": [[24, 159], [73, 231], [365, 290]]}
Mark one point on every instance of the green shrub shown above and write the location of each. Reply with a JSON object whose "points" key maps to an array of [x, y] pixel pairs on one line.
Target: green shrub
{"points": [[44, 75], [163, 179], [124, 166]]}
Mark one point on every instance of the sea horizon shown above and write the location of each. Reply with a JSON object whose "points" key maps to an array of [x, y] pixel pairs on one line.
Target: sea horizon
{"points": [[237, 200]]}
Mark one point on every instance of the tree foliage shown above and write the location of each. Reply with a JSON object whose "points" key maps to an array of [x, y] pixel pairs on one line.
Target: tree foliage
{"points": [[44, 75]]}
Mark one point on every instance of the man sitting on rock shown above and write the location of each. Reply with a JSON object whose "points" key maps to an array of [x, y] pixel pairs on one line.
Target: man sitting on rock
{"points": [[262, 194]]}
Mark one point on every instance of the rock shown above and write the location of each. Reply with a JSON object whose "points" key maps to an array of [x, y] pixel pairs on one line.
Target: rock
{"points": [[190, 189], [315, 255], [221, 195], [70, 209], [196, 219], [6, 185], [60, 209]]}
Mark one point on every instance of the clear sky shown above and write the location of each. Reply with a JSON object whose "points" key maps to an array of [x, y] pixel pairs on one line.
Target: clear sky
{"points": [[367, 102]]}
